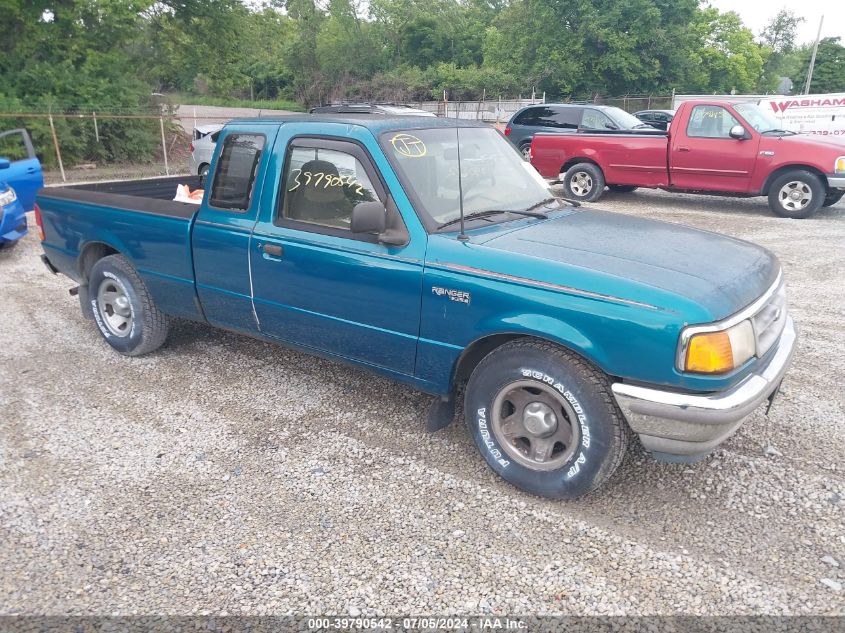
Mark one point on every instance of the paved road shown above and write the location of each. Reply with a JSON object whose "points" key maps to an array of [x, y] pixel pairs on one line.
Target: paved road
{"points": [[223, 474]]}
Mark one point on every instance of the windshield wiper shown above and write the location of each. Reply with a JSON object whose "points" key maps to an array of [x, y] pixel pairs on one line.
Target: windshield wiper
{"points": [[542, 203], [475, 215], [780, 131]]}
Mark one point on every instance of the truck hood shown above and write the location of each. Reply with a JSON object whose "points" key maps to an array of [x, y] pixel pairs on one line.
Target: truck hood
{"points": [[719, 273], [793, 143]]}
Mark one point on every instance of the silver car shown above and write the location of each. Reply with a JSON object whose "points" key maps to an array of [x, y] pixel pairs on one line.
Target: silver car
{"points": [[202, 148]]}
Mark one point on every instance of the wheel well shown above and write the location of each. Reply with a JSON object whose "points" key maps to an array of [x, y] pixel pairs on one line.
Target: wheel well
{"points": [[574, 161], [782, 170], [201, 165], [476, 352], [91, 254]]}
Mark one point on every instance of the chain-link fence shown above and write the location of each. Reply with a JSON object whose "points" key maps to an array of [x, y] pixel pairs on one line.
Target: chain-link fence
{"points": [[115, 144]]}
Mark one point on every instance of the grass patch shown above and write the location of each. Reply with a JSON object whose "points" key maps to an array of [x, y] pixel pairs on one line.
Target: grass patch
{"points": [[231, 102]]}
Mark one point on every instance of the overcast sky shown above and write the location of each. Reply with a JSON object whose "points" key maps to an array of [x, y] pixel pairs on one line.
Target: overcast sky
{"points": [[757, 13]]}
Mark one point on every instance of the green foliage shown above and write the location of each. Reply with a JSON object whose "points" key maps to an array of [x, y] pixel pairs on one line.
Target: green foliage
{"points": [[75, 55], [829, 71], [84, 55]]}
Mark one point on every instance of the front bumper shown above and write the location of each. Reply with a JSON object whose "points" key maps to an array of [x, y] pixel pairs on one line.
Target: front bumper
{"points": [[12, 222], [687, 426], [835, 181]]}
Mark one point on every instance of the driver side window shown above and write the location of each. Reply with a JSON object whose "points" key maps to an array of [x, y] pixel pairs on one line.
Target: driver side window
{"points": [[710, 121], [322, 186]]}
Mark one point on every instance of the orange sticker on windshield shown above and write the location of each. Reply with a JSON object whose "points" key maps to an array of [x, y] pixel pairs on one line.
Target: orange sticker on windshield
{"points": [[408, 145]]}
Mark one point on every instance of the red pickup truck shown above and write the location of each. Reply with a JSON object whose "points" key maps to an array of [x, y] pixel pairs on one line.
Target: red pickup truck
{"points": [[711, 147]]}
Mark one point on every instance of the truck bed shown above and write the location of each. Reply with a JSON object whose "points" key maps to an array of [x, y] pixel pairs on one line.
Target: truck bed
{"points": [[152, 195], [138, 218], [627, 158]]}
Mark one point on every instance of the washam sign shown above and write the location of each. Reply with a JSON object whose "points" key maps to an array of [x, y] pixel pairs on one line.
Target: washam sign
{"points": [[823, 115]]}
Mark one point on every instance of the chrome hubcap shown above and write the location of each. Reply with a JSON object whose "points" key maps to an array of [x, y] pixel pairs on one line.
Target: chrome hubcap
{"points": [[535, 425], [795, 195], [114, 307], [539, 419], [581, 183]]}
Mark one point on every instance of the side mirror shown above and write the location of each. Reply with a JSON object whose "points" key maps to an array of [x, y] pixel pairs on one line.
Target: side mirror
{"points": [[737, 132], [611, 126], [369, 217], [4, 163]]}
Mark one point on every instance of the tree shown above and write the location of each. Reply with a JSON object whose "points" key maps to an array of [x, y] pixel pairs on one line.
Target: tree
{"points": [[829, 71], [727, 57], [779, 38], [781, 32]]}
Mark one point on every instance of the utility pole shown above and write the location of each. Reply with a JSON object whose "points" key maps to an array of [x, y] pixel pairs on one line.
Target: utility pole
{"points": [[813, 59]]}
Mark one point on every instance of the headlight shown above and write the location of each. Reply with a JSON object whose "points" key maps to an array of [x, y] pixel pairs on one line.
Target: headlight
{"points": [[721, 351], [839, 166], [8, 197]]}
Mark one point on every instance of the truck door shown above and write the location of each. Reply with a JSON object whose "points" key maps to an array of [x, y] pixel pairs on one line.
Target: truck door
{"points": [[24, 171], [318, 285], [224, 223], [703, 155]]}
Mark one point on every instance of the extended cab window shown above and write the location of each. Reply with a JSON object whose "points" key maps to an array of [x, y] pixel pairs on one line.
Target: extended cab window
{"points": [[235, 175], [323, 185], [710, 121]]}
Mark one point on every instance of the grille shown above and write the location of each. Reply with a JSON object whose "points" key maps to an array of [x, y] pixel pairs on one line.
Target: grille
{"points": [[770, 320]]}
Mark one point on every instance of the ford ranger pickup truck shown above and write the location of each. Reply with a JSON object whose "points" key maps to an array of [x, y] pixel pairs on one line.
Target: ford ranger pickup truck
{"points": [[430, 252], [711, 147]]}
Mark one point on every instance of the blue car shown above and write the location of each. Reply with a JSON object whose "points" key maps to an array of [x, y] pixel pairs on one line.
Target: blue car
{"points": [[20, 167], [12, 217]]}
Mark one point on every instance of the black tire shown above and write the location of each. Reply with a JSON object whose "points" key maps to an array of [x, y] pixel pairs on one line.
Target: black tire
{"points": [[833, 197], [117, 293], [524, 149], [548, 378], [583, 182], [622, 188], [202, 172], [7, 246], [808, 190]]}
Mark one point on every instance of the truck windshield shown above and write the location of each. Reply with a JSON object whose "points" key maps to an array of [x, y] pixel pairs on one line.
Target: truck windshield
{"points": [[493, 175], [758, 118]]}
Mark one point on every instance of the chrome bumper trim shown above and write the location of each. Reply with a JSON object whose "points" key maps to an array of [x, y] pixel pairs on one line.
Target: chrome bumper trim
{"points": [[835, 181], [689, 424]]}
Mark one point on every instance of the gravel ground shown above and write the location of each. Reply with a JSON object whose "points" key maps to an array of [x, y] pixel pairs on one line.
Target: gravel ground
{"points": [[223, 474]]}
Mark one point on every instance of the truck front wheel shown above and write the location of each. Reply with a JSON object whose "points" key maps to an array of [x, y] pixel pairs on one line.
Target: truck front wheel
{"points": [[123, 309], [796, 194], [544, 419], [583, 182]]}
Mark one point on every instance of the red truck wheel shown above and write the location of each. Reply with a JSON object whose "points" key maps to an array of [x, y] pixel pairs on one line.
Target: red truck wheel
{"points": [[796, 194], [583, 182]]}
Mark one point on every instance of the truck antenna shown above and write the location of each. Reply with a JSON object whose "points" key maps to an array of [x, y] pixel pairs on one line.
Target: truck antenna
{"points": [[463, 237]]}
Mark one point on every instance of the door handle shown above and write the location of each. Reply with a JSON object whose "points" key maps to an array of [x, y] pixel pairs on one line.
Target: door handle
{"points": [[683, 148], [31, 170], [273, 249]]}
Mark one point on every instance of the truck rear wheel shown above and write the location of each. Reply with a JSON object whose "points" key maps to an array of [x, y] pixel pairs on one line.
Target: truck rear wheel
{"points": [[796, 194], [544, 419], [123, 309], [583, 182]]}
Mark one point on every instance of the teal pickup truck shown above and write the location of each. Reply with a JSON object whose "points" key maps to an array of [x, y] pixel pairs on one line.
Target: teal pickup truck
{"points": [[428, 251]]}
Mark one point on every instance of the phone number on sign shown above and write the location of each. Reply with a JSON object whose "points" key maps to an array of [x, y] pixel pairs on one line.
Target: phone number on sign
{"points": [[827, 132]]}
